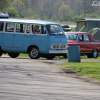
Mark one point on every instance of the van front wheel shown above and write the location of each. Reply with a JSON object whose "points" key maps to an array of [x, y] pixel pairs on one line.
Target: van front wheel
{"points": [[13, 54], [34, 53]]}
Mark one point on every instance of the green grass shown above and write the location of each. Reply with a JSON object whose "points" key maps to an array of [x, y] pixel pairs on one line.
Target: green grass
{"points": [[90, 69], [85, 57], [57, 57], [26, 55], [23, 55]]}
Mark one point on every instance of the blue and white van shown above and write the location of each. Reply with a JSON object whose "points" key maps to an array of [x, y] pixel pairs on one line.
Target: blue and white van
{"points": [[16, 36]]}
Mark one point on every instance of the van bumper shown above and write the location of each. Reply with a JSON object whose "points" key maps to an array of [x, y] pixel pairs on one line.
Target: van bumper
{"points": [[57, 51]]}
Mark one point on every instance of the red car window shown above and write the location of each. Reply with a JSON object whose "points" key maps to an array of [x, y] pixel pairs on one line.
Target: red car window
{"points": [[86, 37], [81, 37]]}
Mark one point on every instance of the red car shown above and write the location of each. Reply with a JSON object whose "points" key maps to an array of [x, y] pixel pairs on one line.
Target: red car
{"points": [[88, 45]]}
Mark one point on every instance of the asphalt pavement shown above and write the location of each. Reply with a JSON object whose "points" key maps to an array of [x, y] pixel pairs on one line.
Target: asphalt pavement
{"points": [[28, 79]]}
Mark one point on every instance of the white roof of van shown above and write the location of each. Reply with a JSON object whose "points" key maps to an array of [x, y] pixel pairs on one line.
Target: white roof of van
{"points": [[27, 21]]}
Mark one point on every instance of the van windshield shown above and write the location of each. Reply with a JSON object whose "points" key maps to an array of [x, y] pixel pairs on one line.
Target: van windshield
{"points": [[54, 30]]}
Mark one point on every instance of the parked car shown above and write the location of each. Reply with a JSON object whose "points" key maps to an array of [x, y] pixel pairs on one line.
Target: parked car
{"points": [[88, 45], [66, 28], [3, 15]]}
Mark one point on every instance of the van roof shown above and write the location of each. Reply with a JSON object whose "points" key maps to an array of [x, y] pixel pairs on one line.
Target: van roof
{"points": [[27, 21], [88, 19]]}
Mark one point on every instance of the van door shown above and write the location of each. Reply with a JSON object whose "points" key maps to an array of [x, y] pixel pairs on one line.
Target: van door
{"points": [[18, 40], [19, 36], [8, 35], [40, 39]]}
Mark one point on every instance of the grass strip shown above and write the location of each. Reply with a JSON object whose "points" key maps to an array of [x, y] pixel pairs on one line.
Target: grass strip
{"points": [[90, 69], [57, 57]]}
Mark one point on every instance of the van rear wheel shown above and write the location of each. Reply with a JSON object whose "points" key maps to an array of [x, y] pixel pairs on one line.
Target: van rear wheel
{"points": [[34, 53], [13, 55]]}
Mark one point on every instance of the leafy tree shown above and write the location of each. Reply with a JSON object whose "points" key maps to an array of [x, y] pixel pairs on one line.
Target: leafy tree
{"points": [[13, 10], [94, 15], [4, 4], [19, 6], [79, 7], [64, 11]]}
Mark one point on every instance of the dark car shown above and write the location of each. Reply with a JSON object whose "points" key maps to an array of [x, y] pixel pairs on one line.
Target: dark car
{"points": [[4, 16], [66, 28]]}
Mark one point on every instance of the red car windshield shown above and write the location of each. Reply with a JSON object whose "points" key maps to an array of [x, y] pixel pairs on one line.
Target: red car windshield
{"points": [[71, 36]]}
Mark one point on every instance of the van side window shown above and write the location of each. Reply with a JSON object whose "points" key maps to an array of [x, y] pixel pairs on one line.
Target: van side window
{"points": [[9, 27], [1, 26], [20, 28], [28, 28], [41, 29]]}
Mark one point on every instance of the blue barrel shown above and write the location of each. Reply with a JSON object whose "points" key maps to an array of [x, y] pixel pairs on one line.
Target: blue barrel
{"points": [[74, 54]]}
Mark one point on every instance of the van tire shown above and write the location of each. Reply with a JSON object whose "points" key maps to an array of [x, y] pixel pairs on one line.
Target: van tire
{"points": [[34, 53], [13, 54], [1, 52]]}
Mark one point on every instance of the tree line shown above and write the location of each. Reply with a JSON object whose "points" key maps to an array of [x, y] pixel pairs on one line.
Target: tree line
{"points": [[62, 10]]}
